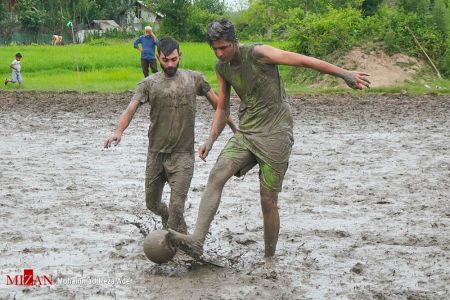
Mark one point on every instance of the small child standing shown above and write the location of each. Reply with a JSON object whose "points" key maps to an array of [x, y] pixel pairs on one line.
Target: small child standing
{"points": [[16, 71]]}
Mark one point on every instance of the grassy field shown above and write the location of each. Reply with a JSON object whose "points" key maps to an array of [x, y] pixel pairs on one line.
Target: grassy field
{"points": [[115, 67]]}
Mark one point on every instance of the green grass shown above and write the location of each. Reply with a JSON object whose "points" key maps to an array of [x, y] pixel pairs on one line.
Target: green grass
{"points": [[103, 68], [115, 67]]}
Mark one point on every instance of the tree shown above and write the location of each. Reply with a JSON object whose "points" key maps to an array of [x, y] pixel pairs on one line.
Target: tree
{"points": [[417, 6], [201, 14], [176, 17], [441, 15], [5, 22], [211, 6], [370, 7], [30, 17]]}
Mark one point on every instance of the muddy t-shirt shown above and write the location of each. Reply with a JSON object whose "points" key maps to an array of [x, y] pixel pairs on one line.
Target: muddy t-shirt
{"points": [[265, 118], [172, 109]]}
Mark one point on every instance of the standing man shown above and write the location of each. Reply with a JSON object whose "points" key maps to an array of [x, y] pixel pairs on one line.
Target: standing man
{"points": [[171, 95], [265, 127], [148, 42]]}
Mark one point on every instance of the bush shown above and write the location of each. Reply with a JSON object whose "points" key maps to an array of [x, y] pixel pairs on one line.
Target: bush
{"points": [[398, 38], [319, 36], [198, 23], [253, 22], [443, 63]]}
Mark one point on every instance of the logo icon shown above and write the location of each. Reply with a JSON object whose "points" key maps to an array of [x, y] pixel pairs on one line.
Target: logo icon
{"points": [[29, 279]]}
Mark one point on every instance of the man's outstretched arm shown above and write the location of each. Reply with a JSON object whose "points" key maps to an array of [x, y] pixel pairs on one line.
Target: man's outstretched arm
{"points": [[270, 55], [124, 121], [220, 116]]}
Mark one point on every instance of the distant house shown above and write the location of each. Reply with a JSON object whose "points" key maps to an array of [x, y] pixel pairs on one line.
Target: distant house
{"points": [[137, 13], [98, 28], [104, 25]]}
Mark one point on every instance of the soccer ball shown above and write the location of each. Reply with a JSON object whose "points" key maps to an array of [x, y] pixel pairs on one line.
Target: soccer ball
{"points": [[157, 247]]}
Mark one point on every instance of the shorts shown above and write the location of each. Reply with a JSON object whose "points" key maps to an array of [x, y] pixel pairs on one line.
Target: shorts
{"points": [[244, 153], [16, 77], [175, 168]]}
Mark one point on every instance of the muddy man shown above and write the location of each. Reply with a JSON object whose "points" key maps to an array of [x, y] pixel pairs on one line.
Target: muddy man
{"points": [[171, 95], [265, 127]]}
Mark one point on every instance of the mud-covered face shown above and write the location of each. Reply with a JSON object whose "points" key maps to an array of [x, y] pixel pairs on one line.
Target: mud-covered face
{"points": [[169, 63], [224, 50]]}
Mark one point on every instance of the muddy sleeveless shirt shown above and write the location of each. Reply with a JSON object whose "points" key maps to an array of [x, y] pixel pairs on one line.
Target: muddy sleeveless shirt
{"points": [[172, 109], [265, 118]]}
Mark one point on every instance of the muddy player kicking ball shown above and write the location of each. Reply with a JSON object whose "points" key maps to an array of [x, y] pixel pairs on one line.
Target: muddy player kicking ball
{"points": [[171, 95], [265, 127]]}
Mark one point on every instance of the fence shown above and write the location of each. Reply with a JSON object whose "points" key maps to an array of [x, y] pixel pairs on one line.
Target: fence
{"points": [[27, 38]]}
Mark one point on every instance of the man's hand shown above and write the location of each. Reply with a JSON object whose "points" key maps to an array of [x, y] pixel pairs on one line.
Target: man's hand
{"points": [[112, 140], [356, 79], [204, 149]]}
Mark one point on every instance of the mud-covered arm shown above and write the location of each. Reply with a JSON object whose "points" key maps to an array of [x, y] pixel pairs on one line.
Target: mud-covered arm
{"points": [[124, 121], [220, 116], [270, 55], [213, 99]]}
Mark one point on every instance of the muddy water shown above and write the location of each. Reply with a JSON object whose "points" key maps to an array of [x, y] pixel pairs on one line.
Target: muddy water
{"points": [[364, 210]]}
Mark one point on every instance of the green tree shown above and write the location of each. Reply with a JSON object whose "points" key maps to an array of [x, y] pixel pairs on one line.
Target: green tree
{"points": [[211, 6], [198, 23], [320, 35], [417, 6], [7, 24], [370, 7], [29, 15], [441, 15], [176, 17]]}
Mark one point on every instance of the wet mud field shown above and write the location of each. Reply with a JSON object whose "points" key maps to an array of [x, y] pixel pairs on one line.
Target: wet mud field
{"points": [[365, 209]]}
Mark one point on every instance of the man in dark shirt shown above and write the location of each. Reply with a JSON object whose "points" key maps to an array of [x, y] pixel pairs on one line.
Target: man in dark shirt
{"points": [[171, 95], [147, 49]]}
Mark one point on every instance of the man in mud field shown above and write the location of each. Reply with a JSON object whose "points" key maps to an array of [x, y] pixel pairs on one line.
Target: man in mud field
{"points": [[265, 127], [172, 98]]}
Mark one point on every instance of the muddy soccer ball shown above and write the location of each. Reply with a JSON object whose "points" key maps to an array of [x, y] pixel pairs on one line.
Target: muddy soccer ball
{"points": [[157, 247]]}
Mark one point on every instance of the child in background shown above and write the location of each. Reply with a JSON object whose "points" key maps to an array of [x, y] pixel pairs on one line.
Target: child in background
{"points": [[16, 74]]}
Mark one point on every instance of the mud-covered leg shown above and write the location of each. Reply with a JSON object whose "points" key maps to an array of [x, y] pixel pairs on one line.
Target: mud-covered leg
{"points": [[179, 169], [153, 195], [176, 209], [271, 220], [193, 244]]}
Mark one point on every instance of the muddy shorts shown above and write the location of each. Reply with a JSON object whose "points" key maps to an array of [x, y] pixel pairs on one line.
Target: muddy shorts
{"points": [[175, 168], [243, 153]]}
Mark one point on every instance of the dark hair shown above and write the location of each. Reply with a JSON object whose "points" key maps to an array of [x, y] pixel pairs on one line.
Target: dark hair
{"points": [[18, 54], [167, 45], [221, 30]]}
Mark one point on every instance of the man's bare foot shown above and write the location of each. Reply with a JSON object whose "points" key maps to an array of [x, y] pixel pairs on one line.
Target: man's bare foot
{"points": [[186, 243]]}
